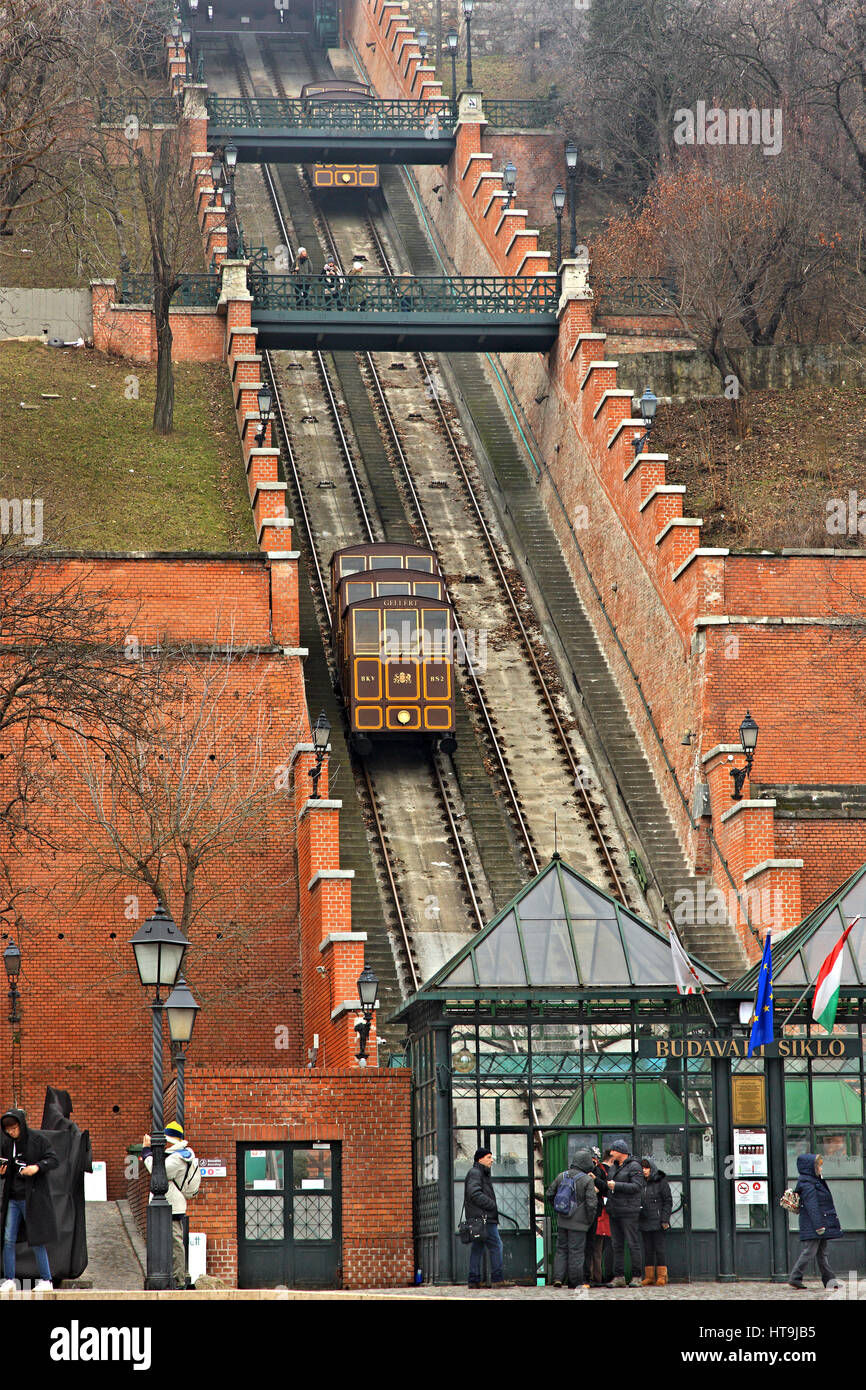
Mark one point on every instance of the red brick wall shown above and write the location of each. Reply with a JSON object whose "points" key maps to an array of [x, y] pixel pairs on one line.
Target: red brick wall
{"points": [[368, 1113], [198, 335], [86, 1023]]}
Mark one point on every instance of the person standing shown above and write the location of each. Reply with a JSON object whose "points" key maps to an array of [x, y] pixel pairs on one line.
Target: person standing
{"points": [[577, 1186], [184, 1180], [25, 1159], [480, 1201], [599, 1231], [653, 1221], [818, 1221], [303, 270], [625, 1186]]}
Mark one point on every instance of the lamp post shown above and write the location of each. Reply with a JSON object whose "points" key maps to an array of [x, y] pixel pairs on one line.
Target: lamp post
{"points": [[186, 40], [181, 1008], [210, 14], [558, 207], [12, 963], [368, 991], [509, 178], [571, 165], [749, 741], [468, 7], [321, 738], [452, 40], [422, 38], [648, 407], [265, 401], [159, 951]]}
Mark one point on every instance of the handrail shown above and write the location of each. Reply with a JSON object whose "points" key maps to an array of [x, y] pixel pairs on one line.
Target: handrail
{"points": [[639, 294], [194, 292], [429, 118], [529, 114], [458, 294], [158, 111]]}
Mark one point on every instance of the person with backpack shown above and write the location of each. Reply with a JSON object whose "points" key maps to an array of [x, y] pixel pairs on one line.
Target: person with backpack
{"points": [[575, 1202], [818, 1221], [184, 1180], [625, 1186], [654, 1220]]}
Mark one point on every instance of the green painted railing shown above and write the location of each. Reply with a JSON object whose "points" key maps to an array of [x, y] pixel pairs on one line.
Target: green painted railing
{"points": [[522, 115], [280, 113], [195, 292], [404, 294], [644, 295], [159, 111]]}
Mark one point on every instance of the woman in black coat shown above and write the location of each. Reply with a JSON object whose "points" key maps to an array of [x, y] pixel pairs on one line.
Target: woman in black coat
{"points": [[818, 1221], [655, 1218], [25, 1159]]}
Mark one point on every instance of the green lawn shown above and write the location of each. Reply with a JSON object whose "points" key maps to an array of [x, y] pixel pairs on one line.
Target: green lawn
{"points": [[108, 482]]}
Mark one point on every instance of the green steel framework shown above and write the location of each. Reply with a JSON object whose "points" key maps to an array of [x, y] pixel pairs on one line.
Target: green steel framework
{"points": [[505, 1040]]}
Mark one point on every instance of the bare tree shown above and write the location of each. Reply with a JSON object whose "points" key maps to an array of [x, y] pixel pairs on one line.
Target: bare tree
{"points": [[170, 807]]}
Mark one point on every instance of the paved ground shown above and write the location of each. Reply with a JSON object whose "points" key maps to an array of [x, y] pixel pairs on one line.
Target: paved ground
{"points": [[115, 1250]]}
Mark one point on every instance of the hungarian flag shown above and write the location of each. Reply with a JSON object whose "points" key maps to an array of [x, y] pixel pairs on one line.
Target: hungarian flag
{"points": [[687, 978], [827, 984]]}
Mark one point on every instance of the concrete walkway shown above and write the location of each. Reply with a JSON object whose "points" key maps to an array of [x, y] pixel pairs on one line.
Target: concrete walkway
{"points": [[115, 1250]]}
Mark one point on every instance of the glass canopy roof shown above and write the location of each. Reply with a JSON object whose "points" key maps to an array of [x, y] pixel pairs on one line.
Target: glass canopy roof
{"points": [[563, 934], [800, 953]]}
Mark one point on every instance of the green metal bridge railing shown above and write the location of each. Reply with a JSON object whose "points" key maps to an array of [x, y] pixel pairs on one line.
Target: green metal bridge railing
{"points": [[281, 113], [535, 114], [639, 295], [195, 292], [158, 111], [404, 294]]}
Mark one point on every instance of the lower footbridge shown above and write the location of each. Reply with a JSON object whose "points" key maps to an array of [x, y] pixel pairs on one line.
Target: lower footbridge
{"points": [[458, 313]]}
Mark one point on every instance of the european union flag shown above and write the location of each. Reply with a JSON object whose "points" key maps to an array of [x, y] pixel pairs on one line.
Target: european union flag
{"points": [[762, 1018]]}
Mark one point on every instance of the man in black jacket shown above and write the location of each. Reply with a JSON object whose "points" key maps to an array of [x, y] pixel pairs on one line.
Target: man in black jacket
{"points": [[480, 1201], [25, 1159], [625, 1185]]}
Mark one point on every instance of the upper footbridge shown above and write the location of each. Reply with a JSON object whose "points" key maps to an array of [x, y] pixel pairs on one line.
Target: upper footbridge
{"points": [[377, 131]]}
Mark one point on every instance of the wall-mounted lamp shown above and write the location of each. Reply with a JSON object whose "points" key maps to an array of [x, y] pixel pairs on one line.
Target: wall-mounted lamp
{"points": [[749, 741]]}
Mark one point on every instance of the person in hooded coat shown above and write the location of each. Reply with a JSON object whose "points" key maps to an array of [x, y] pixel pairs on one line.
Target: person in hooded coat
{"points": [[818, 1221], [181, 1168], [654, 1219], [25, 1159], [571, 1230]]}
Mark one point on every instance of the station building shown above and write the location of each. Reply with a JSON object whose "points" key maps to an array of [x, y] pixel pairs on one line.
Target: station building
{"points": [[559, 1026]]}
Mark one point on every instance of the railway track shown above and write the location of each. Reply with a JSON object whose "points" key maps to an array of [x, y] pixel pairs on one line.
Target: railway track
{"points": [[464, 899], [359, 405]]}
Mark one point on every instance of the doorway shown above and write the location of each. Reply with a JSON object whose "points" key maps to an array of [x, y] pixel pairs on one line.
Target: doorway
{"points": [[289, 1216]]}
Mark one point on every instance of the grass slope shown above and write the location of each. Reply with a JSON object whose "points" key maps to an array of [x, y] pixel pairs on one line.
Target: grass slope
{"points": [[108, 482]]}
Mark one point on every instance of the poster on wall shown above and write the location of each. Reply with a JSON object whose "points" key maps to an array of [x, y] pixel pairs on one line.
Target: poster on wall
{"points": [[750, 1193], [750, 1153]]}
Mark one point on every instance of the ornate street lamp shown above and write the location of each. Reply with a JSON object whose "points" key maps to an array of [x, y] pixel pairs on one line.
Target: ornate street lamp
{"points": [[265, 401], [468, 7], [368, 992], [321, 739], [422, 38], [571, 153], [749, 741], [216, 171], [181, 1008], [12, 962], [648, 407], [558, 208], [159, 949], [452, 40], [509, 178]]}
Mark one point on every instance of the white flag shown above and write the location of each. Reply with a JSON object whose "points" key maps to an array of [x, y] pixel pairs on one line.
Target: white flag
{"points": [[687, 978]]}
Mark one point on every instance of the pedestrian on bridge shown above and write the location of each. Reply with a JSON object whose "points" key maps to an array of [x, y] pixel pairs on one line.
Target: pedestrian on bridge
{"points": [[303, 270]]}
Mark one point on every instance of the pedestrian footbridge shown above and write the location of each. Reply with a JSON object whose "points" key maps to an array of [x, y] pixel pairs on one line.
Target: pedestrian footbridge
{"points": [[457, 313], [293, 130]]}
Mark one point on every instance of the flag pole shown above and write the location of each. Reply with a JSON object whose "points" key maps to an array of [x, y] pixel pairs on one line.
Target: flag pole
{"points": [[787, 1020], [811, 983], [693, 973]]}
